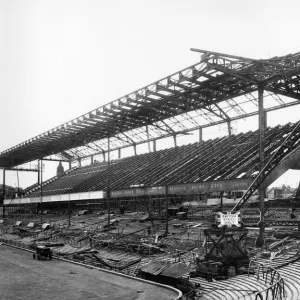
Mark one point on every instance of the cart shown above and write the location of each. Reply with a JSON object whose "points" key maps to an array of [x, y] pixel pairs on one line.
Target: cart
{"points": [[42, 251]]}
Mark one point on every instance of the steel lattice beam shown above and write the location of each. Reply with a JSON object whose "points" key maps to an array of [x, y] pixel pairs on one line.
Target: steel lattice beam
{"points": [[214, 80], [291, 142]]}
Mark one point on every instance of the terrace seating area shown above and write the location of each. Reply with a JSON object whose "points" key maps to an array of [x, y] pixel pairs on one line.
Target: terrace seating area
{"points": [[235, 156], [32, 188]]}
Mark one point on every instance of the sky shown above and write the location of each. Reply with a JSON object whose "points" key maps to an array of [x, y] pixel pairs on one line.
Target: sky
{"points": [[60, 59]]}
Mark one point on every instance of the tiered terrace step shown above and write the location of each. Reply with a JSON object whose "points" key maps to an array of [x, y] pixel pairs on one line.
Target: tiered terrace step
{"points": [[235, 156]]}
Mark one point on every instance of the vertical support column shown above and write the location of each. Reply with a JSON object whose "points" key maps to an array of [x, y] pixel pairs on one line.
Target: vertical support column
{"points": [[221, 196], [119, 153], [159, 204], [4, 192], [266, 120], [154, 146], [103, 153], [200, 136], [167, 208], [69, 213], [149, 205], [134, 149], [175, 140], [70, 165], [41, 190], [79, 162], [92, 159], [229, 127], [38, 172], [108, 184], [261, 123], [149, 146]]}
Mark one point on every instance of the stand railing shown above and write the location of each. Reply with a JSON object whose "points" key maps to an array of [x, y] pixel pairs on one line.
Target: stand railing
{"points": [[272, 278]]}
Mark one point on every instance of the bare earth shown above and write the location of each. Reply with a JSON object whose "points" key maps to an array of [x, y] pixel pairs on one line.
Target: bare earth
{"points": [[23, 278]]}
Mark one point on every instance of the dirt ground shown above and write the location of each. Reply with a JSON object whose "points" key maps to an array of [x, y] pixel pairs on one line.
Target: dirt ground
{"points": [[22, 277]]}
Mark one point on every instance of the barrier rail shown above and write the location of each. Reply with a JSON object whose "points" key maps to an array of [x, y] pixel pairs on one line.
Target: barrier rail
{"points": [[276, 288]]}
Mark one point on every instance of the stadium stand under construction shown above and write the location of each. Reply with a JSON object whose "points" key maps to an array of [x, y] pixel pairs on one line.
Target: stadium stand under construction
{"points": [[232, 157], [160, 215]]}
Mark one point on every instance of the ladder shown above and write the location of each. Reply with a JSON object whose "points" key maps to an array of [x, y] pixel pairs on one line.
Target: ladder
{"points": [[291, 142]]}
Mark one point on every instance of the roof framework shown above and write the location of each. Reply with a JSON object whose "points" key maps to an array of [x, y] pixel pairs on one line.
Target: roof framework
{"points": [[218, 89]]}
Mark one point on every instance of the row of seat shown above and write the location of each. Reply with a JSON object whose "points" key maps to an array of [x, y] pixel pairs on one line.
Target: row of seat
{"points": [[235, 156]]}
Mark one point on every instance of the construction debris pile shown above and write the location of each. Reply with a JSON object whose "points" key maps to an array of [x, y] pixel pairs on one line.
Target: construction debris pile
{"points": [[191, 253]]}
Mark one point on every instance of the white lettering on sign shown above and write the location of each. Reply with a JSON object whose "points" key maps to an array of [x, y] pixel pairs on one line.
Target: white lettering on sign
{"points": [[251, 216], [238, 184], [229, 219], [216, 185]]}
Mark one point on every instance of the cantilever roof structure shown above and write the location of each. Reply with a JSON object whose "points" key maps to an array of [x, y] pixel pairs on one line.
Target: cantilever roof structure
{"points": [[218, 89]]}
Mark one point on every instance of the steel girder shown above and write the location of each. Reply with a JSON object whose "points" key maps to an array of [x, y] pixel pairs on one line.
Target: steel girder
{"points": [[269, 223], [196, 97], [291, 143]]}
